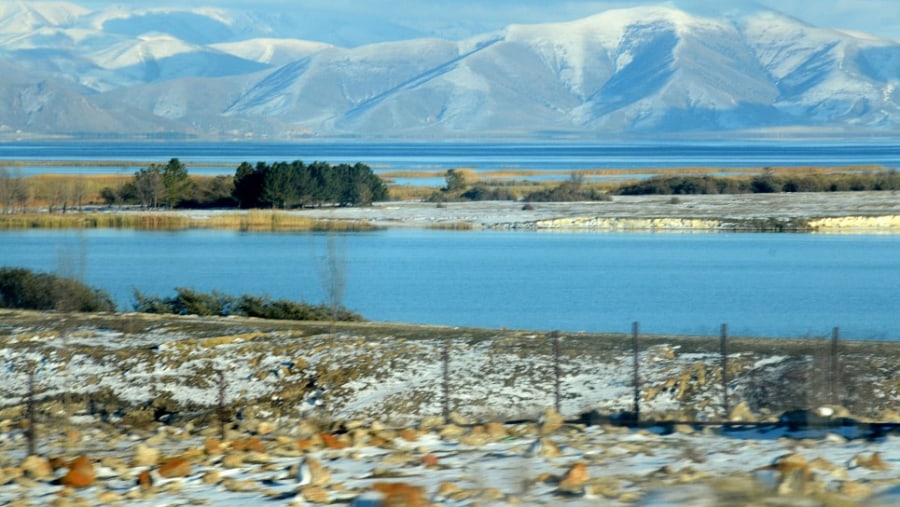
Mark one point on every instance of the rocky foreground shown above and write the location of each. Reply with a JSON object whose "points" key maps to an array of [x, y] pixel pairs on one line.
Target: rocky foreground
{"points": [[152, 410]]}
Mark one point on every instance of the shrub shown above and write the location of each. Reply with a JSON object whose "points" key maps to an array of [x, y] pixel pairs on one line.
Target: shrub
{"points": [[191, 302], [23, 289]]}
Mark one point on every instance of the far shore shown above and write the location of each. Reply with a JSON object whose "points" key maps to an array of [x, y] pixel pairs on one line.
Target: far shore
{"points": [[826, 212]]}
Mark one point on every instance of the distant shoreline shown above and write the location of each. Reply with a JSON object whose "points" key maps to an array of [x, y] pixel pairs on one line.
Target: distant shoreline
{"points": [[820, 212]]}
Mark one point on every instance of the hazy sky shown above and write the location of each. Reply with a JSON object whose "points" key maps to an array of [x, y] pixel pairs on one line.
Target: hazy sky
{"points": [[467, 17]]}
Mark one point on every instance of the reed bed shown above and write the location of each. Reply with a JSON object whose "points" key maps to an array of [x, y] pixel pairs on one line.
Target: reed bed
{"points": [[251, 221], [452, 226]]}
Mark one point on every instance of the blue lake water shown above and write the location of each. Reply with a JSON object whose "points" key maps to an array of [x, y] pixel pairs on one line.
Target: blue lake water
{"points": [[442, 156], [783, 285]]}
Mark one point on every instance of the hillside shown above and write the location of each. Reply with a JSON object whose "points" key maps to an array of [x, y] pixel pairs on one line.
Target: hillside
{"points": [[645, 71]]}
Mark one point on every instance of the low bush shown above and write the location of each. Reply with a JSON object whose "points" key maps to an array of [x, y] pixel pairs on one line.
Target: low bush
{"points": [[190, 302], [23, 289]]}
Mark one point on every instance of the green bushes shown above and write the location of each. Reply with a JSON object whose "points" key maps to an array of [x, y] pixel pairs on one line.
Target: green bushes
{"points": [[190, 302], [573, 189], [764, 183], [23, 289]]}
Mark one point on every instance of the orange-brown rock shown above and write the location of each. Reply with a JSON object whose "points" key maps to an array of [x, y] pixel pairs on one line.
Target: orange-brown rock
{"points": [[409, 434], [175, 467], [575, 478], [430, 460], [145, 480], [212, 446], [400, 494], [81, 473], [249, 444], [332, 442]]}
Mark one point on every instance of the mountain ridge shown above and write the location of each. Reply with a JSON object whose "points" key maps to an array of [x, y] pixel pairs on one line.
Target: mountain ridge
{"points": [[641, 71]]}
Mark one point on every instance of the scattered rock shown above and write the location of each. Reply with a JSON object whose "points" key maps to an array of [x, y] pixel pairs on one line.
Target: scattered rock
{"points": [[175, 467], [401, 494], [550, 422], [430, 461], [574, 480], [310, 471], [315, 494], [145, 456], [36, 467], [871, 462], [81, 473], [333, 442], [741, 413]]}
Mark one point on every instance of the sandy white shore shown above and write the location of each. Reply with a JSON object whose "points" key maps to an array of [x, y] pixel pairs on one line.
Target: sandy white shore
{"points": [[854, 210]]}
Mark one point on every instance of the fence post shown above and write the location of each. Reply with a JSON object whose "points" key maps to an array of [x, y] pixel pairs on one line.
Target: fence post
{"points": [[557, 372], [635, 329], [221, 403], [445, 359], [834, 380], [723, 343], [31, 432]]}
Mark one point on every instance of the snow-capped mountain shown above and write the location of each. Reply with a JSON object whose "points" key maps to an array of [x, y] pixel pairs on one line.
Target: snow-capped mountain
{"points": [[213, 73]]}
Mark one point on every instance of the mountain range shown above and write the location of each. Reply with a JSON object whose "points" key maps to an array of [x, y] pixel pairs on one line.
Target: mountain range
{"points": [[214, 73]]}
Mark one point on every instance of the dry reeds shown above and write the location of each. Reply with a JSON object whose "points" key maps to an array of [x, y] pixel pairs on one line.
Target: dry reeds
{"points": [[254, 221]]}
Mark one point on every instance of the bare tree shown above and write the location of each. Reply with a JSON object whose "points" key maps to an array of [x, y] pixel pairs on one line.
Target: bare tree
{"points": [[332, 270], [13, 191]]}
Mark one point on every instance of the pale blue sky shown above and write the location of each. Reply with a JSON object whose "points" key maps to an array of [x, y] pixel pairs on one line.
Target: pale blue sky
{"points": [[467, 17]]}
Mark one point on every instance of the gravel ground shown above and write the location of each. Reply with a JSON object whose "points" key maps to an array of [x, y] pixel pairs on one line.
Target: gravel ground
{"points": [[506, 214]]}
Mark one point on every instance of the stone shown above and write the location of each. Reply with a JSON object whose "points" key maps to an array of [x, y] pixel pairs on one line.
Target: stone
{"points": [[145, 456], [550, 422], [741, 413], [409, 434], [401, 494], [457, 419], [233, 460], [213, 446], [451, 432], [496, 430], [574, 479], [212, 477], [81, 473], [315, 494], [238, 486], [332, 442], [109, 498], [431, 422], [430, 461], [145, 480], [175, 467], [477, 437], [871, 462], [310, 471], [266, 428], [36, 467]]}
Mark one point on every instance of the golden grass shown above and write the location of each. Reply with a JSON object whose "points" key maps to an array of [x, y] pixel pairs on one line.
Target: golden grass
{"points": [[255, 221], [452, 226]]}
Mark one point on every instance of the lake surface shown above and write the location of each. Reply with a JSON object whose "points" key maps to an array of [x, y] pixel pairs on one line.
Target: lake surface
{"points": [[786, 285], [383, 157]]}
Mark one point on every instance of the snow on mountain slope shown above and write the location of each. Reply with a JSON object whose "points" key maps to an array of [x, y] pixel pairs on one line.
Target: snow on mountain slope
{"points": [[270, 51], [644, 70], [22, 17]]}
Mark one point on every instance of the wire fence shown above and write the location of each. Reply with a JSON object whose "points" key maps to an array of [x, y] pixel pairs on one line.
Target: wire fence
{"points": [[636, 379]]}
